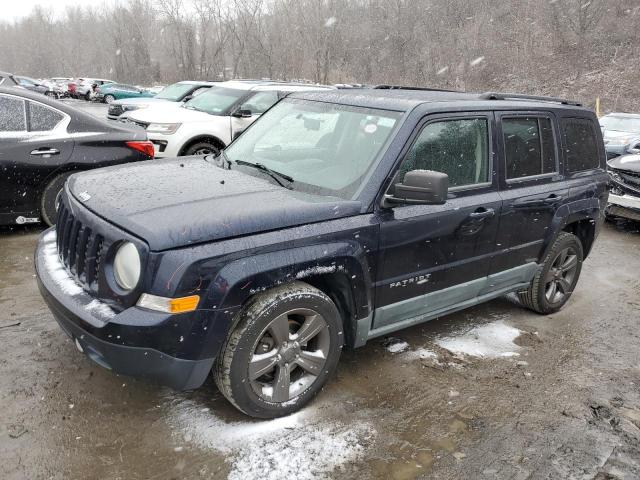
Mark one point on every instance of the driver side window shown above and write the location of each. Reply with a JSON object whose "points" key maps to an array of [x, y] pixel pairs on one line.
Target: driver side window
{"points": [[260, 102], [459, 148]]}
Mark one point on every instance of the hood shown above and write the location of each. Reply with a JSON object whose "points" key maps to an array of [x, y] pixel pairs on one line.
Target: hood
{"points": [[141, 101], [170, 112], [630, 163], [177, 202], [615, 134]]}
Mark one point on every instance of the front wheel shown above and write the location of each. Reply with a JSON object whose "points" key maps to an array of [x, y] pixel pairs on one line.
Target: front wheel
{"points": [[202, 148], [553, 285], [285, 346]]}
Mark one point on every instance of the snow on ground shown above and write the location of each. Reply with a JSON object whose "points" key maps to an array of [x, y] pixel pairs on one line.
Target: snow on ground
{"points": [[297, 446], [395, 345], [421, 354], [492, 340]]}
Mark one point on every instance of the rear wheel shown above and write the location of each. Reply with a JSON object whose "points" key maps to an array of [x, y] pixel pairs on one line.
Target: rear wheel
{"points": [[553, 285], [203, 147], [50, 200], [109, 98], [285, 346]]}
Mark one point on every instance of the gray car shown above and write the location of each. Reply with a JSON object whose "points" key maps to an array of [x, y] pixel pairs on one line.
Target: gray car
{"points": [[621, 133]]}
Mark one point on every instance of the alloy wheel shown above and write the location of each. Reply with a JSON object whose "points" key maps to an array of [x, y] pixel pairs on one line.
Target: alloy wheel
{"points": [[289, 355], [560, 277]]}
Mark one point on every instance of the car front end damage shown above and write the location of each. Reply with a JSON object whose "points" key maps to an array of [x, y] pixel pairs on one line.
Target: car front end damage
{"points": [[624, 197]]}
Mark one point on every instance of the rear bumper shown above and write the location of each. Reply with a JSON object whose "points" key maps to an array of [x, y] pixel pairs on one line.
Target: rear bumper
{"points": [[87, 321]]}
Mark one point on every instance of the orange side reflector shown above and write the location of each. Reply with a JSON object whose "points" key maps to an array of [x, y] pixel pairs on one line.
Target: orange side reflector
{"points": [[184, 304]]}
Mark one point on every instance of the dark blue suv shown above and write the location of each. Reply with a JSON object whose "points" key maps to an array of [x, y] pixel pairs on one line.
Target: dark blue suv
{"points": [[336, 218]]}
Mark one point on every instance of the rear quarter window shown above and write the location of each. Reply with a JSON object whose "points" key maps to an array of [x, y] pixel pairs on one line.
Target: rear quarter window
{"points": [[12, 114], [581, 144]]}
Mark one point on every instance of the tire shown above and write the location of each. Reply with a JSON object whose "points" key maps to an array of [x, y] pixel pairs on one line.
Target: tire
{"points": [[270, 326], [87, 96], [109, 98], [50, 198], [204, 147], [554, 283]]}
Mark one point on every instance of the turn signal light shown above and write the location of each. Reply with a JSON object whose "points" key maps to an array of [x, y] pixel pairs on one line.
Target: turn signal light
{"points": [[145, 147], [168, 305]]}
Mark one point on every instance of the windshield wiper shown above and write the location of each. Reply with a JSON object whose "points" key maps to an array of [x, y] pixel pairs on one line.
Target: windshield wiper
{"points": [[272, 173]]}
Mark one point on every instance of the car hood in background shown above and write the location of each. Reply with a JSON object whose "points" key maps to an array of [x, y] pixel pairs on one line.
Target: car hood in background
{"points": [[177, 202], [630, 163], [170, 112], [614, 134]]}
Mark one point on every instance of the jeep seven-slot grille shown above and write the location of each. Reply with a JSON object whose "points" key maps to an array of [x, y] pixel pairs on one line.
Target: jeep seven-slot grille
{"points": [[79, 249], [630, 178]]}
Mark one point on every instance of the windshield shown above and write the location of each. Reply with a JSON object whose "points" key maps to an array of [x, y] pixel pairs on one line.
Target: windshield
{"points": [[621, 124], [175, 92], [215, 101], [326, 148]]}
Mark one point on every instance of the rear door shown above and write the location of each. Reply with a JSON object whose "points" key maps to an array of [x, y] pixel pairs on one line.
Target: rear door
{"points": [[435, 256], [531, 186], [34, 144]]}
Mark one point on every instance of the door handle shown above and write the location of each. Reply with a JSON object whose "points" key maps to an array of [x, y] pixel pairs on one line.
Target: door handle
{"points": [[47, 151], [482, 213], [551, 199]]}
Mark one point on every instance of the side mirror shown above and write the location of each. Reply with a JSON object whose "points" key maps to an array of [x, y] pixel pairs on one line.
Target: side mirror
{"points": [[187, 98], [241, 113], [634, 147], [420, 187]]}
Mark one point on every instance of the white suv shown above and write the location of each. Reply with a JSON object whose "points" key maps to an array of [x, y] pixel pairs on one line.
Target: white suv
{"points": [[207, 123]]}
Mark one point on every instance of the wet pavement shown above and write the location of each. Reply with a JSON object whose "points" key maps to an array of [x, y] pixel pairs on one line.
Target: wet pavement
{"points": [[557, 398]]}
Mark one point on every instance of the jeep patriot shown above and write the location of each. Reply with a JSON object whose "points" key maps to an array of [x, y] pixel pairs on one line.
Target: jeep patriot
{"points": [[338, 217]]}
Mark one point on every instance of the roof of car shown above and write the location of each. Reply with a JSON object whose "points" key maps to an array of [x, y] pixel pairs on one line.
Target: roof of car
{"points": [[263, 85], [405, 99], [198, 82]]}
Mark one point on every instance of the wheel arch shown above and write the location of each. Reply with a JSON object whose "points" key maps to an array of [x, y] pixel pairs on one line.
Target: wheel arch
{"points": [[338, 270], [199, 138], [585, 230]]}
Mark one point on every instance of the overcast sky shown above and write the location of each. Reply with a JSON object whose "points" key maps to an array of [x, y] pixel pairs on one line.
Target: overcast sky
{"points": [[16, 9]]}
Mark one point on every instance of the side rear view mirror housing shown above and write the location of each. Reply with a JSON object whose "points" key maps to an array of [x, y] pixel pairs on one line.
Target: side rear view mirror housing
{"points": [[634, 147], [242, 113], [420, 187]]}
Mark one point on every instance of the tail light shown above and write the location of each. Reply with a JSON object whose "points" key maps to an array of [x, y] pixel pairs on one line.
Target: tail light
{"points": [[145, 147]]}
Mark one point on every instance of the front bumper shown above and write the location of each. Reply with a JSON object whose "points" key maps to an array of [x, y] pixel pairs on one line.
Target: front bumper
{"points": [[624, 205], [88, 322]]}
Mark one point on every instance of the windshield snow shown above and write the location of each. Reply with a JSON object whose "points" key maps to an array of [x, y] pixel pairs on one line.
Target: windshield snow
{"points": [[621, 124], [174, 92], [216, 100]]}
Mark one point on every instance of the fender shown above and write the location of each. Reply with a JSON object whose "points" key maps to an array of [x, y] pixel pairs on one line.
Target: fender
{"points": [[242, 278]]}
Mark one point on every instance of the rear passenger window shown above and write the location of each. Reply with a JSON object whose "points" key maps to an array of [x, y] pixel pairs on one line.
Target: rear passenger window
{"points": [[582, 147], [529, 146], [459, 148], [43, 119], [12, 116]]}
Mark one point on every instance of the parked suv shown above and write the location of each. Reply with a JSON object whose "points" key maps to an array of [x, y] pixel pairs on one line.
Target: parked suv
{"points": [[338, 217], [173, 94], [208, 122]]}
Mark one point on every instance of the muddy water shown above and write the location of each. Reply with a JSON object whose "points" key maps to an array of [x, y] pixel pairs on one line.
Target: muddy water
{"points": [[567, 406]]}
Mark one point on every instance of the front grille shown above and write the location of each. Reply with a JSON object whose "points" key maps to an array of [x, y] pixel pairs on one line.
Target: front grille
{"points": [[80, 249], [629, 178], [115, 110]]}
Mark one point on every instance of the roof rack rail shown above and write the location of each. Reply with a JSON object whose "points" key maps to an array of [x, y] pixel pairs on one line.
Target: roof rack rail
{"points": [[402, 87], [518, 96]]}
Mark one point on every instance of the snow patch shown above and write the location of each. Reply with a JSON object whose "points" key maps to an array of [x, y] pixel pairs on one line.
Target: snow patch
{"points": [[421, 354], [493, 340], [56, 269], [99, 308], [288, 447], [316, 271], [395, 345]]}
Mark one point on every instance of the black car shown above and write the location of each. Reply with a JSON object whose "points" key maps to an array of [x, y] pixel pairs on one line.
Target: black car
{"points": [[42, 142], [336, 218]]}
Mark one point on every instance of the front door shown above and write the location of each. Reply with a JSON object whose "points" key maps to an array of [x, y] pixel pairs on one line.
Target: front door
{"points": [[435, 256]]}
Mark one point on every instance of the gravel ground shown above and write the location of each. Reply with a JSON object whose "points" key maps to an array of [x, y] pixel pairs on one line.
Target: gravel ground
{"points": [[491, 392]]}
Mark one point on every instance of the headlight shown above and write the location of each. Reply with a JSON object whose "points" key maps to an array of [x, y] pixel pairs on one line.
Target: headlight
{"points": [[166, 128], [126, 266]]}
